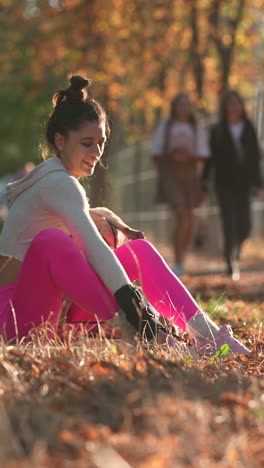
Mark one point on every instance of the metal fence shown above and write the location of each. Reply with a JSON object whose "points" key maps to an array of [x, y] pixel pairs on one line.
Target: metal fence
{"points": [[133, 177]]}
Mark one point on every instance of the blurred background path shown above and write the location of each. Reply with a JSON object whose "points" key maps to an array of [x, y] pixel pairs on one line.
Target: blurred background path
{"points": [[206, 274]]}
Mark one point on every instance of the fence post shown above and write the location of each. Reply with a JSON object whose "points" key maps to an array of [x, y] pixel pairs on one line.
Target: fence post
{"points": [[137, 182]]}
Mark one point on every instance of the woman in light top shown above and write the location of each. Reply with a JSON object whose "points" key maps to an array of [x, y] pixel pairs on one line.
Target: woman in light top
{"points": [[179, 145], [235, 161], [50, 247]]}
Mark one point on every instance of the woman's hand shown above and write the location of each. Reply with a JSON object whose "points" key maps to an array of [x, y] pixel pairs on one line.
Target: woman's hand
{"points": [[133, 234], [118, 223], [181, 155]]}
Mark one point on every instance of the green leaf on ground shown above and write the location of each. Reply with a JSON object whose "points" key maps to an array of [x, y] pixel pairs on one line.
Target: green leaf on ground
{"points": [[222, 351]]}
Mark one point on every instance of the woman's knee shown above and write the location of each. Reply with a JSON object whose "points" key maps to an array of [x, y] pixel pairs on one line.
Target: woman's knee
{"points": [[141, 245], [143, 250], [135, 250], [50, 238], [186, 217], [48, 234]]}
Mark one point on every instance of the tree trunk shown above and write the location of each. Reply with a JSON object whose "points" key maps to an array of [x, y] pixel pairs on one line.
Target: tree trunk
{"points": [[225, 51], [195, 53]]}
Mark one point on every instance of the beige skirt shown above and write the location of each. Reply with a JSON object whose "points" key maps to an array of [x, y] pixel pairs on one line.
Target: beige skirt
{"points": [[178, 186]]}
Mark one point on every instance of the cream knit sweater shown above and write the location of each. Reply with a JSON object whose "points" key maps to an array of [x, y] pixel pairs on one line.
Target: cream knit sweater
{"points": [[50, 197]]}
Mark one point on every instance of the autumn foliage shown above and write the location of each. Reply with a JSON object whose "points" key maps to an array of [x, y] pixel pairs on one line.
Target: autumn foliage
{"points": [[139, 53], [93, 402]]}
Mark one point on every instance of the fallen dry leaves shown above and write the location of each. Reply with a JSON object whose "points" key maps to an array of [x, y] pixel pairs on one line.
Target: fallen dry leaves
{"points": [[97, 403]]}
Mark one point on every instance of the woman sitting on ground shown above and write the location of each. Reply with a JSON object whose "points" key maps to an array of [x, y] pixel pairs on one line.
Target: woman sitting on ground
{"points": [[50, 247]]}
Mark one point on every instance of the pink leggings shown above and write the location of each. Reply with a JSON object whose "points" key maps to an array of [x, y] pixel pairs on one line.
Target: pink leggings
{"points": [[54, 267]]}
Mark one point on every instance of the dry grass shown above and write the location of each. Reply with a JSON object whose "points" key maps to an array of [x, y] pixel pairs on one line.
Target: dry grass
{"points": [[85, 402], [97, 403]]}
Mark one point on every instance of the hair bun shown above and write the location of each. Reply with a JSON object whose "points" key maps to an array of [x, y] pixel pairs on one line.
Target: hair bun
{"points": [[75, 93], [78, 82]]}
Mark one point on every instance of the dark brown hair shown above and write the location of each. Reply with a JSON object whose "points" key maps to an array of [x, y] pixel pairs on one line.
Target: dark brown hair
{"points": [[174, 104], [173, 116], [229, 93], [72, 108]]}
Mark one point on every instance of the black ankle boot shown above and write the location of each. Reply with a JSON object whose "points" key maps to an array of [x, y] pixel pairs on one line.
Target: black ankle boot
{"points": [[139, 313]]}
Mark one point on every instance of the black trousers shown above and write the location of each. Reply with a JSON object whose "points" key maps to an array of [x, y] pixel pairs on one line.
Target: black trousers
{"points": [[234, 204]]}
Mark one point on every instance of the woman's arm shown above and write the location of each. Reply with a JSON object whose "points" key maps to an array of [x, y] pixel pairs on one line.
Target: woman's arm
{"points": [[255, 155], [63, 196], [117, 222], [157, 144]]}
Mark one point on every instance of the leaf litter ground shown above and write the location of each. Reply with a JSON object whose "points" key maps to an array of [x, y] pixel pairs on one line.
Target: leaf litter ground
{"points": [[95, 402]]}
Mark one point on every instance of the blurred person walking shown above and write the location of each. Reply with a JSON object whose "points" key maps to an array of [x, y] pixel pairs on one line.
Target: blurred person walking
{"points": [[179, 145], [235, 160]]}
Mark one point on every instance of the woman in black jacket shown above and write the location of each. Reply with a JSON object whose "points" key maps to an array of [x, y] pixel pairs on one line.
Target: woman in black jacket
{"points": [[235, 158]]}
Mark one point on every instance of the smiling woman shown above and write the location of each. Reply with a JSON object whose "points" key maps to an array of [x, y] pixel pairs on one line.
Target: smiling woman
{"points": [[81, 150], [50, 248]]}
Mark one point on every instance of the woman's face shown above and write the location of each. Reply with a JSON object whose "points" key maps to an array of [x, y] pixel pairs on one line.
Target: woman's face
{"points": [[182, 109], [234, 109], [81, 149]]}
